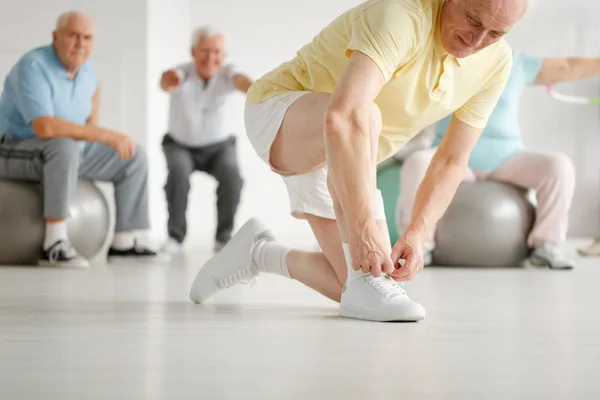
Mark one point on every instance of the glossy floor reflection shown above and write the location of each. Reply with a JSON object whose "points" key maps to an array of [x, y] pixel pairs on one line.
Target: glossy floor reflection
{"points": [[129, 332]]}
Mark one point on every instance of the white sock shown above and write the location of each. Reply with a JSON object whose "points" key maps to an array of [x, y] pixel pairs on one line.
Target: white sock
{"points": [[123, 240], [271, 257], [55, 231], [351, 272]]}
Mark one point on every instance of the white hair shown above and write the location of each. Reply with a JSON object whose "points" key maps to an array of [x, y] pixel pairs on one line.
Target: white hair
{"points": [[528, 6], [204, 32], [63, 19]]}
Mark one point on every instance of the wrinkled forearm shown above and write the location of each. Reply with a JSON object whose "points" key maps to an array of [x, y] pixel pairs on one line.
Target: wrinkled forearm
{"points": [[351, 167], [52, 127], [434, 195]]}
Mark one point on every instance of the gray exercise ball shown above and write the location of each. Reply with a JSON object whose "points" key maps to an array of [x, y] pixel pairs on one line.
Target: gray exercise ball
{"points": [[22, 225], [486, 224]]}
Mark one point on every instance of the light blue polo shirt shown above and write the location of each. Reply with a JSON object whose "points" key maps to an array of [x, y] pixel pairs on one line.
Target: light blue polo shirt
{"points": [[502, 137], [38, 85]]}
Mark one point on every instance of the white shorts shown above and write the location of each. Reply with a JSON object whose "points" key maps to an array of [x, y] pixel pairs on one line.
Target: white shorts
{"points": [[308, 192]]}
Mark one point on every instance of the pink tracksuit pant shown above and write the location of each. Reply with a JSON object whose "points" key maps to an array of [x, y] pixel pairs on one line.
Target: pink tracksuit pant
{"points": [[551, 175]]}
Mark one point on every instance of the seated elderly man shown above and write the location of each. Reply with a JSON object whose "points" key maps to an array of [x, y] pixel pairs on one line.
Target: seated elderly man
{"points": [[49, 132], [200, 136], [499, 155]]}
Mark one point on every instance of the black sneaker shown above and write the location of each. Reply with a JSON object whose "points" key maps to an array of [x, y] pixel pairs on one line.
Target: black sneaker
{"points": [[133, 252], [63, 254]]}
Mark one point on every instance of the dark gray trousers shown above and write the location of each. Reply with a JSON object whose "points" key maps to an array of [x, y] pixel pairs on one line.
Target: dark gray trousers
{"points": [[59, 163], [218, 160]]}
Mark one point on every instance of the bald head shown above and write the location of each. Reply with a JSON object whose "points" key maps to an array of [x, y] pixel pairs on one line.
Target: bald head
{"points": [[468, 26], [73, 39]]}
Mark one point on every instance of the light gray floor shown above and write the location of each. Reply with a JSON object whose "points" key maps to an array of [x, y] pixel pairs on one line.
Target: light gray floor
{"points": [[129, 332]]}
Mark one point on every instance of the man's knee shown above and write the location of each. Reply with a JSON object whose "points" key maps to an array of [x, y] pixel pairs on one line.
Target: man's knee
{"points": [[229, 175], [139, 163], [65, 149]]}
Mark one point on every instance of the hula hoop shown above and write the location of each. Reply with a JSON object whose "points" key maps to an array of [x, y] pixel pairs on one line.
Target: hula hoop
{"points": [[572, 99]]}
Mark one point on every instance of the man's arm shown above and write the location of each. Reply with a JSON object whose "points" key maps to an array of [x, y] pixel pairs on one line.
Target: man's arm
{"points": [[447, 168], [34, 102], [446, 171], [242, 83], [348, 142], [171, 79], [46, 127], [382, 39], [555, 70], [93, 120]]}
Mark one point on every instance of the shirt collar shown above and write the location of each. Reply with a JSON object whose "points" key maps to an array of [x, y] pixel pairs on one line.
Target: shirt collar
{"points": [[60, 69]]}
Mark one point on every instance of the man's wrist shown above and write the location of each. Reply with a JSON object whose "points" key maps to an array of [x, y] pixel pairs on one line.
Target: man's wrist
{"points": [[417, 228]]}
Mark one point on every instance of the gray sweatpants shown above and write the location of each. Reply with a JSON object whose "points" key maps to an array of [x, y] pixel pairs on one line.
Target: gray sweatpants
{"points": [[218, 160], [59, 163]]}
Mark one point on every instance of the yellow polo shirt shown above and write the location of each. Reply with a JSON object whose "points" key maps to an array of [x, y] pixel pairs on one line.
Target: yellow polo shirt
{"points": [[423, 82]]}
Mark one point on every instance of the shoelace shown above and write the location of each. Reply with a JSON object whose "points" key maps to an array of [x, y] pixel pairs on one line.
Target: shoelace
{"points": [[385, 285], [246, 275], [63, 247]]}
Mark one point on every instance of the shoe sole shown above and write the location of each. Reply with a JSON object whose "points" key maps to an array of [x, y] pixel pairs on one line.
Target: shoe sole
{"points": [[203, 281], [160, 257], [349, 312], [583, 253], [59, 264], [540, 264]]}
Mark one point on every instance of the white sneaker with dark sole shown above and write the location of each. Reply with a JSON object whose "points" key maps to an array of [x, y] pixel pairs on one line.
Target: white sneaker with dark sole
{"points": [[378, 299], [63, 254], [232, 265]]}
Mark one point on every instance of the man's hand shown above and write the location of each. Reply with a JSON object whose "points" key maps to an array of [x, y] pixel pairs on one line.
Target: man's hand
{"points": [[370, 252], [170, 80], [121, 144], [407, 255]]}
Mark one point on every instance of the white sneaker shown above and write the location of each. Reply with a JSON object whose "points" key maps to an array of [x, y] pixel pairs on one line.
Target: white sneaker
{"points": [[378, 299], [232, 265], [592, 250], [63, 254], [172, 246], [549, 255]]}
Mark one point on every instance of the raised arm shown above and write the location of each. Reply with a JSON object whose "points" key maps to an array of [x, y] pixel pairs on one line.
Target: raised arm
{"points": [[170, 80], [242, 83], [555, 70]]}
